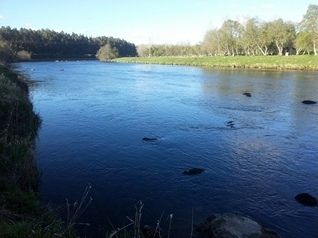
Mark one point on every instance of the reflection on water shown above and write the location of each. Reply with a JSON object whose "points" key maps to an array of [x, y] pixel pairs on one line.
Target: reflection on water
{"points": [[258, 152]]}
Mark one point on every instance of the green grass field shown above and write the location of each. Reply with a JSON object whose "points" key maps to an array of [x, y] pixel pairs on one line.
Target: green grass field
{"points": [[299, 62]]}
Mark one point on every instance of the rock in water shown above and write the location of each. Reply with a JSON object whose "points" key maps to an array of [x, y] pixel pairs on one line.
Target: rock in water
{"points": [[306, 199], [193, 171], [233, 226], [230, 124], [309, 102], [247, 94], [149, 139]]}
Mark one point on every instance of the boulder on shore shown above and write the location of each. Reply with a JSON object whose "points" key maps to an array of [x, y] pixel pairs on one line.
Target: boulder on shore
{"points": [[232, 226], [306, 199], [193, 171]]}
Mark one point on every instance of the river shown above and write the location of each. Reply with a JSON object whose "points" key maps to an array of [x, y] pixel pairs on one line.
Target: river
{"points": [[257, 152]]}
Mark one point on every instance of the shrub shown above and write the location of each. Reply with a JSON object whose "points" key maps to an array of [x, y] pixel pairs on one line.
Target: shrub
{"points": [[107, 53], [24, 55]]}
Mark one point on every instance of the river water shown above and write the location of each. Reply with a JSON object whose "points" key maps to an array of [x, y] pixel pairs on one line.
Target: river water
{"points": [[257, 152]]}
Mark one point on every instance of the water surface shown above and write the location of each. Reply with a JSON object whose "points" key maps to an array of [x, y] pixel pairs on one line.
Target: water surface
{"points": [[96, 114]]}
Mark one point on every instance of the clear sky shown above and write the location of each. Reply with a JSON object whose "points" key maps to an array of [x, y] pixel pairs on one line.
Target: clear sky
{"points": [[139, 21]]}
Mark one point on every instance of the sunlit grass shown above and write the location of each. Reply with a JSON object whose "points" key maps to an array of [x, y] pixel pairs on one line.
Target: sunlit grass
{"points": [[296, 62]]}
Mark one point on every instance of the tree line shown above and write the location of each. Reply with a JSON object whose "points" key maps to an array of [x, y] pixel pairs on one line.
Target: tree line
{"points": [[26, 44], [253, 37]]}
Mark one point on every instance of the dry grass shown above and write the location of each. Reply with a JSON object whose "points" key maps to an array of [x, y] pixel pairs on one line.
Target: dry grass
{"points": [[136, 229]]}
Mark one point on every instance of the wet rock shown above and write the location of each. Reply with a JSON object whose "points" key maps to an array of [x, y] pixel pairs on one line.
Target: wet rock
{"points": [[149, 139], [232, 226], [230, 124], [309, 102], [306, 199], [193, 171], [247, 94]]}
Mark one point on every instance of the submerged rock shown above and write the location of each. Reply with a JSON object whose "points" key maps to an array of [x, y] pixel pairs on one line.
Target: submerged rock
{"points": [[309, 102], [232, 226], [193, 171], [230, 124], [247, 94], [306, 199], [149, 139]]}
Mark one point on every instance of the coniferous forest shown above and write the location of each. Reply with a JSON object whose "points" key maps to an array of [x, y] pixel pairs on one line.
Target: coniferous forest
{"points": [[26, 44]]}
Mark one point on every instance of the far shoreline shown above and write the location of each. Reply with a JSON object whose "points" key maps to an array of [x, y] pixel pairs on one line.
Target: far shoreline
{"points": [[292, 62]]}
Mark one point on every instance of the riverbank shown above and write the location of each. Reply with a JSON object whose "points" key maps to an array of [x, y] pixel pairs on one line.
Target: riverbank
{"points": [[21, 213], [295, 62]]}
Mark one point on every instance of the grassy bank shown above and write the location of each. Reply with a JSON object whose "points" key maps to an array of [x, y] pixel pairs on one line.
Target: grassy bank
{"points": [[296, 62], [21, 214]]}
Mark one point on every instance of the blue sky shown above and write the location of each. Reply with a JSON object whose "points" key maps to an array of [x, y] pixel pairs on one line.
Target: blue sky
{"points": [[139, 21]]}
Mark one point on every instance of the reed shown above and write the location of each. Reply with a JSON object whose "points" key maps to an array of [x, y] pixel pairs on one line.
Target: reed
{"points": [[75, 210], [139, 231]]}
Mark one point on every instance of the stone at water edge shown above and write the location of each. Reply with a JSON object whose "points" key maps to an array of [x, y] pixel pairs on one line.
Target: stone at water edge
{"points": [[233, 226], [306, 199]]}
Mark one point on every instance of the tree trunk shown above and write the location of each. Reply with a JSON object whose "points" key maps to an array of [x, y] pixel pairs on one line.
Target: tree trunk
{"points": [[260, 48], [280, 51], [280, 48]]}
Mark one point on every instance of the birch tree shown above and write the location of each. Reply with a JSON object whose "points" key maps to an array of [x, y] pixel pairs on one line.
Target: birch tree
{"points": [[309, 24], [282, 34]]}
